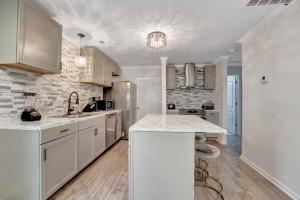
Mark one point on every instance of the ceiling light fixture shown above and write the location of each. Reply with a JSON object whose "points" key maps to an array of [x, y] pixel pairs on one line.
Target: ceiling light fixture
{"points": [[157, 40], [80, 60]]}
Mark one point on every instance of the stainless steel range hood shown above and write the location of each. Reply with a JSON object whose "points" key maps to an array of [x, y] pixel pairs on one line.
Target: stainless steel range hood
{"points": [[189, 75]]}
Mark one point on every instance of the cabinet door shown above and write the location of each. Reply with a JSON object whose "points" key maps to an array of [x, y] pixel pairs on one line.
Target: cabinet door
{"points": [[85, 148], [171, 78], [40, 39], [210, 77], [119, 125], [99, 136], [108, 72], [58, 163], [98, 68]]}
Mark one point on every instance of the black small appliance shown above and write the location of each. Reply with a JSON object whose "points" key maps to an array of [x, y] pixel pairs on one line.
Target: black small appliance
{"points": [[29, 113], [171, 106], [90, 107], [208, 106], [104, 104]]}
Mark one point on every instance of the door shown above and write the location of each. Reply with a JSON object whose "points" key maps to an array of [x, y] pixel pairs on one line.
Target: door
{"points": [[99, 136], [85, 148], [40, 39], [58, 164], [231, 104], [148, 96]]}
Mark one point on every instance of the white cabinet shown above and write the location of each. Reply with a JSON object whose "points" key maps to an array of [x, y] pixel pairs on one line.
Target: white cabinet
{"points": [[213, 117], [58, 163], [98, 70], [85, 147], [171, 77], [209, 77], [30, 39], [119, 126], [44, 160], [99, 136]]}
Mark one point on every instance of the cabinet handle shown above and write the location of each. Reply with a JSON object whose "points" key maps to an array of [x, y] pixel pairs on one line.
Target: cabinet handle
{"points": [[45, 154], [65, 130], [96, 131]]}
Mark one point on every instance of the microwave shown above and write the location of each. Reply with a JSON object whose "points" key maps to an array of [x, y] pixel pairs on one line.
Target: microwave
{"points": [[104, 104]]}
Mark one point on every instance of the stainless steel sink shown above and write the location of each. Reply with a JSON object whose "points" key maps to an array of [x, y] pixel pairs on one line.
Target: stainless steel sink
{"points": [[79, 115]]}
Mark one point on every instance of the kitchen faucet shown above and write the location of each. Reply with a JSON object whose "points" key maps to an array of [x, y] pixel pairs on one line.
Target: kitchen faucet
{"points": [[70, 109]]}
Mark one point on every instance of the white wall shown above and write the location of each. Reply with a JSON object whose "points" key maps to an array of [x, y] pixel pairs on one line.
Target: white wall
{"points": [[133, 72], [154, 91], [271, 112], [220, 92]]}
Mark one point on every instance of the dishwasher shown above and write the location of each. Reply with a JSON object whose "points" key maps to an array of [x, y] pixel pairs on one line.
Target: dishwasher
{"points": [[110, 129]]}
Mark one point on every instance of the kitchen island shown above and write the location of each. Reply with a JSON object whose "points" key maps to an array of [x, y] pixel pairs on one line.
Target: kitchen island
{"points": [[161, 156]]}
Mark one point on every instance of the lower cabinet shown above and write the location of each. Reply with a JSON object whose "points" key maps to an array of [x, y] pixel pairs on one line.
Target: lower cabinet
{"points": [[85, 147], [99, 136], [119, 125], [67, 153], [58, 163]]}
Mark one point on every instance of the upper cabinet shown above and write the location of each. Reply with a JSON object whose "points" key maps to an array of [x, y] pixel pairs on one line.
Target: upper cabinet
{"points": [[171, 77], [209, 77], [30, 39], [116, 70], [99, 68]]}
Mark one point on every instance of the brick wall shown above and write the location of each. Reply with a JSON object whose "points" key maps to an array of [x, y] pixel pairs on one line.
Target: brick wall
{"points": [[52, 90], [189, 98]]}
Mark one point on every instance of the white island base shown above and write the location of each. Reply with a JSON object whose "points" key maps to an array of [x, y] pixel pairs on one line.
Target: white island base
{"points": [[161, 156]]}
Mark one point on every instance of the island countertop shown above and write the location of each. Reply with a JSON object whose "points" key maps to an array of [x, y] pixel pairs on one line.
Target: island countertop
{"points": [[176, 123]]}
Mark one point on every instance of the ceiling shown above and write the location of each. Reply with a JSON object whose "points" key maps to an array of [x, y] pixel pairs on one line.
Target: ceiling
{"points": [[197, 30]]}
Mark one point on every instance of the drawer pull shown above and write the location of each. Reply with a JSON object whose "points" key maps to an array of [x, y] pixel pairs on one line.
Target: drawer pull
{"points": [[45, 154], [96, 131], [65, 130]]}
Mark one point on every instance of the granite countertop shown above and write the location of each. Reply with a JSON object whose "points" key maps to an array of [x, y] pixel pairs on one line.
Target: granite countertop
{"points": [[45, 123], [175, 123]]}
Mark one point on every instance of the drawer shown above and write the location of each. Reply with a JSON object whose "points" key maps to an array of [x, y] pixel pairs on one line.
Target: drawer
{"points": [[54, 133], [87, 124]]}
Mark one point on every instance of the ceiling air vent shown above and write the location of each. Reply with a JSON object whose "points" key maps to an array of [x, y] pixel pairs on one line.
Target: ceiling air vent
{"points": [[267, 2]]}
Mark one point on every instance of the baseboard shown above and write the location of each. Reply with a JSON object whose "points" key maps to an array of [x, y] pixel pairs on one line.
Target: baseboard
{"points": [[273, 180]]}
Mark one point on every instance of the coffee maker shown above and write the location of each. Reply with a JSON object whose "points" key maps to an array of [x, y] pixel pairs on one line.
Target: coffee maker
{"points": [[29, 113]]}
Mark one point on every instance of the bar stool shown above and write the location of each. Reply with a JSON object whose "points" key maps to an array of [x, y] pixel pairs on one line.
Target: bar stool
{"points": [[203, 153]]}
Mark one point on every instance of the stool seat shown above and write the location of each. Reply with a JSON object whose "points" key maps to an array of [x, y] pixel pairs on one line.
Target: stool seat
{"points": [[214, 153]]}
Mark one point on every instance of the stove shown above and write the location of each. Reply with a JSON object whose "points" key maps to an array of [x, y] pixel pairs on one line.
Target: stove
{"points": [[198, 112]]}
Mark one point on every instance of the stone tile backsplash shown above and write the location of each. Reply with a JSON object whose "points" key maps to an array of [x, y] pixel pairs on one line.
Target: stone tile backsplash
{"points": [[192, 97], [52, 90]]}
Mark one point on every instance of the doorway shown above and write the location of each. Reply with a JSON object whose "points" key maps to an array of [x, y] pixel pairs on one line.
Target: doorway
{"points": [[234, 105], [148, 96]]}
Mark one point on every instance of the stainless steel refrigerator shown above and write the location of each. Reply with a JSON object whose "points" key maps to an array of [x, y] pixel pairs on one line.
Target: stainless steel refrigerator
{"points": [[124, 96]]}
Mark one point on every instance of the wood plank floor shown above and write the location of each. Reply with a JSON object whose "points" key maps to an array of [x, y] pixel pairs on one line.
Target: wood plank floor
{"points": [[107, 178]]}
